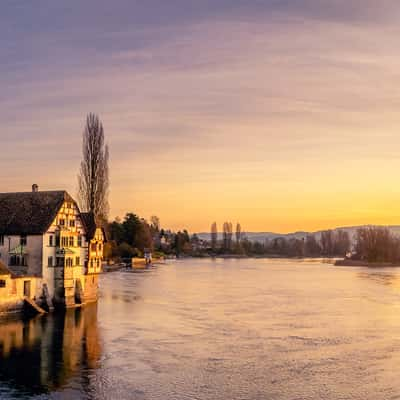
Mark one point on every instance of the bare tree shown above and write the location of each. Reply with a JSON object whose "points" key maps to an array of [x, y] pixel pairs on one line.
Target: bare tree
{"points": [[214, 236], [230, 233], [312, 248], [377, 244], [238, 233], [342, 243], [155, 223], [327, 243], [227, 235], [93, 182]]}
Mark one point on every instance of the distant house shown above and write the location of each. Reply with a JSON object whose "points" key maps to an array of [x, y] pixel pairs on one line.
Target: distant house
{"points": [[44, 241], [96, 237]]}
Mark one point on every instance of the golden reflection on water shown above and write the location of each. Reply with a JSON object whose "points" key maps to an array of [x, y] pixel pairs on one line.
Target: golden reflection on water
{"points": [[42, 354], [383, 277], [216, 329]]}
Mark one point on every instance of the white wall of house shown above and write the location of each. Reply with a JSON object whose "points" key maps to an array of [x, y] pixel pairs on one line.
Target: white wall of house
{"points": [[12, 292], [95, 251], [68, 225], [42, 251], [34, 246], [33, 250], [49, 270]]}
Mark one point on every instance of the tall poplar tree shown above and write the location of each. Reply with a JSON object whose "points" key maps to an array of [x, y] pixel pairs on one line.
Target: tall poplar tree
{"points": [[93, 180], [214, 236]]}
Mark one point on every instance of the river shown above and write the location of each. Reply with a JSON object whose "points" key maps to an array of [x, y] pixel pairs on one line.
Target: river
{"points": [[216, 329]]}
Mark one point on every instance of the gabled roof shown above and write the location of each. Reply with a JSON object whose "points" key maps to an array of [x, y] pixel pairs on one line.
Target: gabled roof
{"points": [[30, 213], [90, 224]]}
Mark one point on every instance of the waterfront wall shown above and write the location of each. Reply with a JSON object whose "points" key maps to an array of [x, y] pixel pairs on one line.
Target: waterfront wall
{"points": [[91, 288], [13, 291]]}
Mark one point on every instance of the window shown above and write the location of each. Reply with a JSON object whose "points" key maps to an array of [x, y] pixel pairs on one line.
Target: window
{"points": [[77, 261], [17, 261], [71, 223], [61, 222], [1, 240], [2, 283], [50, 261], [64, 241], [93, 247], [60, 262], [23, 240], [79, 241], [69, 262], [58, 241], [51, 240], [71, 241]]}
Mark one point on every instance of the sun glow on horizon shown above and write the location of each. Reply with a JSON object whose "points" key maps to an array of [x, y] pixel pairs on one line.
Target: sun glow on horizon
{"points": [[278, 116]]}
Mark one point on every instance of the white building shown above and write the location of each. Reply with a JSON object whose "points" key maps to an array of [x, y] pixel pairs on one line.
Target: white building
{"points": [[44, 240]]}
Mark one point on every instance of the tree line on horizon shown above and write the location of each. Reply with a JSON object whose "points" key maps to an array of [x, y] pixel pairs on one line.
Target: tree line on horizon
{"points": [[129, 238], [133, 235], [330, 243], [372, 244], [377, 245]]}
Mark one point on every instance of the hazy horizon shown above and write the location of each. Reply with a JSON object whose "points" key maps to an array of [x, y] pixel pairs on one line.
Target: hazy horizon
{"points": [[280, 115]]}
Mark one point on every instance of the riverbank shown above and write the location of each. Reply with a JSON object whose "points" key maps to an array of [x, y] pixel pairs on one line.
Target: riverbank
{"points": [[329, 260], [361, 263]]}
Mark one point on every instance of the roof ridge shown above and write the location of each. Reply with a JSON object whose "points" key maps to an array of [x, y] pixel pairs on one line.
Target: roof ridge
{"points": [[30, 213], [41, 191]]}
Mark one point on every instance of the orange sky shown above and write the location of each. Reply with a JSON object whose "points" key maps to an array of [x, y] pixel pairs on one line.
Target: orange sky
{"points": [[282, 118]]}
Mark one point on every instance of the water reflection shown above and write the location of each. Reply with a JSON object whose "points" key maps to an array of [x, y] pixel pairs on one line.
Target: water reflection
{"points": [[44, 354], [215, 329], [382, 277]]}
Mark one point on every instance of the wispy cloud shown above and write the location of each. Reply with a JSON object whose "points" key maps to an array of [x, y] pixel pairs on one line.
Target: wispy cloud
{"points": [[197, 98]]}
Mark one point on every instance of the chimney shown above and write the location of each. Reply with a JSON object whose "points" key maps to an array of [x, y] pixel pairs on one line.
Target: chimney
{"points": [[35, 188]]}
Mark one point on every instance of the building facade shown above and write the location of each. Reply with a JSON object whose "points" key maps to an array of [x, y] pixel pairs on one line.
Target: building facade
{"points": [[45, 241], [96, 237]]}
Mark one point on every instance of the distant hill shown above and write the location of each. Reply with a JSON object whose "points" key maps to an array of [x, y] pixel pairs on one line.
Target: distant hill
{"points": [[262, 236]]}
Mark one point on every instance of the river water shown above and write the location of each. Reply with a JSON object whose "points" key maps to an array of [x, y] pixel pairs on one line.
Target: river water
{"points": [[216, 329]]}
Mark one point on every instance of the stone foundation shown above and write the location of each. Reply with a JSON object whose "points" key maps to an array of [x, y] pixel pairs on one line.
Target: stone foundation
{"points": [[11, 306]]}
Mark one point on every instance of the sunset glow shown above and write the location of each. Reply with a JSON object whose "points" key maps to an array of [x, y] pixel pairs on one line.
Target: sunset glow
{"points": [[281, 115]]}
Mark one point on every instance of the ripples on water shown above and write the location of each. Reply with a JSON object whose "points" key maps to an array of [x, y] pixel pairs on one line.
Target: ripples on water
{"points": [[224, 329]]}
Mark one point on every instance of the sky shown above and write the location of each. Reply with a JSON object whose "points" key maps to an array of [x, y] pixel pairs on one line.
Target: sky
{"points": [[282, 115]]}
